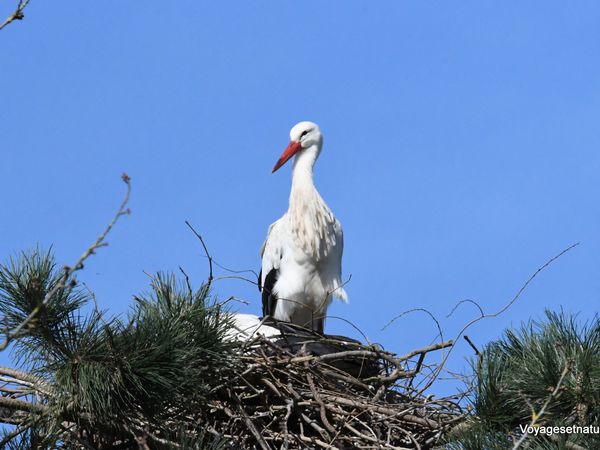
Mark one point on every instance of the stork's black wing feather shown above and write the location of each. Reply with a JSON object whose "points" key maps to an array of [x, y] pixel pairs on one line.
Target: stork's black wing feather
{"points": [[269, 299], [259, 284]]}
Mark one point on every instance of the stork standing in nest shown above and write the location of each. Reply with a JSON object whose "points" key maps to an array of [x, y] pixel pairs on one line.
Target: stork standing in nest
{"points": [[302, 254]]}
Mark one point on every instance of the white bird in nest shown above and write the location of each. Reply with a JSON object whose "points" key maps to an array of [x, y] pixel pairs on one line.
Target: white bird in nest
{"points": [[302, 254], [250, 329]]}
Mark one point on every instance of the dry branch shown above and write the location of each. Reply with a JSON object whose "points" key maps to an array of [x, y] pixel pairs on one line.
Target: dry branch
{"points": [[68, 271], [483, 315], [17, 14]]}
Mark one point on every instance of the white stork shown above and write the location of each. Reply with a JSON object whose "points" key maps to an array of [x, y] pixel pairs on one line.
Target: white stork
{"points": [[302, 254]]}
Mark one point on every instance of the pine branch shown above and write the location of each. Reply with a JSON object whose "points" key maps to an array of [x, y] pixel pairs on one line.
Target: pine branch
{"points": [[535, 416]]}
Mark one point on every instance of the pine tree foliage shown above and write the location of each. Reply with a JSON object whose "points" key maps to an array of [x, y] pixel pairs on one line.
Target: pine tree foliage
{"points": [[515, 376], [24, 282], [113, 379]]}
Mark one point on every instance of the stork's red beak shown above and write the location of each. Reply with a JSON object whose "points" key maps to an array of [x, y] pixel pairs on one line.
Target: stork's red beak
{"points": [[290, 151]]}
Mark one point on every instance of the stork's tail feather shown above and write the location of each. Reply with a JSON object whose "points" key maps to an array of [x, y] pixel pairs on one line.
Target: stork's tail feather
{"points": [[339, 293]]}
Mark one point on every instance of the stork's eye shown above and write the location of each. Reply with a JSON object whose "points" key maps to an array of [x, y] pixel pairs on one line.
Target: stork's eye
{"points": [[304, 133]]}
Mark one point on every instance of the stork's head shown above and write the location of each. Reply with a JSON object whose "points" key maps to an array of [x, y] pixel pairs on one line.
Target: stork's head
{"points": [[305, 138]]}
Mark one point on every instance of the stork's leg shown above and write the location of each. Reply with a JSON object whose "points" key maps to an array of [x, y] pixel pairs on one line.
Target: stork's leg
{"points": [[319, 324], [309, 319]]}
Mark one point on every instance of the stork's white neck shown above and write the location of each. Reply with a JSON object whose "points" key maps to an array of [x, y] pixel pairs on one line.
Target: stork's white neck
{"points": [[302, 173]]}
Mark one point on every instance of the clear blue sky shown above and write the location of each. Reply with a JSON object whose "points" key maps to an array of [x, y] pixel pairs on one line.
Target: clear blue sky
{"points": [[462, 146]]}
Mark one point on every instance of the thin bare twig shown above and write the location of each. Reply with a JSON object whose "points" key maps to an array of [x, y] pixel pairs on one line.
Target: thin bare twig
{"points": [[17, 14], [68, 271], [439, 369], [472, 344], [467, 300], [210, 260], [429, 313], [263, 444]]}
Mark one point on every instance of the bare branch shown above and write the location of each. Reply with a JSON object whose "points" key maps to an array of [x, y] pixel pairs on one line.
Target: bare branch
{"points": [[210, 260], [473, 346], [437, 322], [17, 14], [68, 271], [496, 314]]}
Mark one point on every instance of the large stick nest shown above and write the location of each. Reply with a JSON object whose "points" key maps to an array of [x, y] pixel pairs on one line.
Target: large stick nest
{"points": [[354, 397]]}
